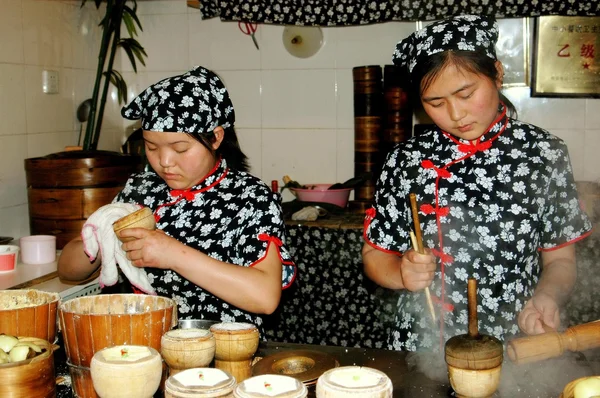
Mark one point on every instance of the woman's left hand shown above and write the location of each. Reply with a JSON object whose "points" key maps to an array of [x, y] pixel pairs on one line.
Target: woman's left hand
{"points": [[541, 310], [149, 248]]}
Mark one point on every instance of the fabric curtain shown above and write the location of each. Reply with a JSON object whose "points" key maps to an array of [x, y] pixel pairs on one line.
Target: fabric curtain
{"points": [[362, 12]]}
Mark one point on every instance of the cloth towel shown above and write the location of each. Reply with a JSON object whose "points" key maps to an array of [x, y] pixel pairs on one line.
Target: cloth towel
{"points": [[98, 235]]}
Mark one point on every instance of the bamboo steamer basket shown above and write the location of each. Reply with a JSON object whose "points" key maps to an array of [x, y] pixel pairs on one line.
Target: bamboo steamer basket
{"points": [[354, 381], [126, 371], [200, 382], [569, 390], [142, 218], [29, 312], [91, 323], [32, 377], [187, 348], [272, 385], [236, 344]]}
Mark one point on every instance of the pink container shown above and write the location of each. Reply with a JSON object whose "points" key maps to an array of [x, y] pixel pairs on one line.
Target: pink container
{"points": [[8, 257], [38, 249], [320, 193]]}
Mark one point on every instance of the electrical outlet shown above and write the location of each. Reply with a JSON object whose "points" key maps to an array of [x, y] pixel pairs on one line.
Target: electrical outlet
{"points": [[50, 81]]}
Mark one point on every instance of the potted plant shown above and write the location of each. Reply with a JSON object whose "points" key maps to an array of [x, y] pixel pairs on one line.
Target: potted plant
{"points": [[65, 188]]}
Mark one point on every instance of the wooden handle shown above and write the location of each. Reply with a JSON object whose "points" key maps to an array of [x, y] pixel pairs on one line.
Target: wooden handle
{"points": [[416, 223], [472, 303], [553, 344]]}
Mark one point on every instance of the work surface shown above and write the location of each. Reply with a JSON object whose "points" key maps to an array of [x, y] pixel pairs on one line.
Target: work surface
{"points": [[544, 379]]}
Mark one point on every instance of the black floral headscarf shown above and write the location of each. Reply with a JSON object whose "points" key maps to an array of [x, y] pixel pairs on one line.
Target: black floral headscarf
{"points": [[195, 102], [463, 32]]}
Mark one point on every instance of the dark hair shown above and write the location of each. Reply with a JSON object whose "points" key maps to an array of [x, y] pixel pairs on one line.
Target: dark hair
{"points": [[229, 149], [473, 61]]}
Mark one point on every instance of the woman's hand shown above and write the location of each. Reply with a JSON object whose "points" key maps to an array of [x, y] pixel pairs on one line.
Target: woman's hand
{"points": [[149, 248], [417, 269], [541, 310]]}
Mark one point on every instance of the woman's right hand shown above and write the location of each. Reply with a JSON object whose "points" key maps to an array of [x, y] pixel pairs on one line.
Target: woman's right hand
{"points": [[417, 269]]}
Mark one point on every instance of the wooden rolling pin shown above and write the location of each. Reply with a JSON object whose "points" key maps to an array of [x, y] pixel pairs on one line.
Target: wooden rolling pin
{"points": [[553, 344]]}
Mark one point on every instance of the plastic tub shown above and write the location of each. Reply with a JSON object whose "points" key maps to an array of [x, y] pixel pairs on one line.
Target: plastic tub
{"points": [[8, 257], [38, 249], [320, 193]]}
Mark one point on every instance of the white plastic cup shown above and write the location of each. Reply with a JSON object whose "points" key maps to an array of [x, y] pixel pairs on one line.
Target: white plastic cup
{"points": [[38, 249]]}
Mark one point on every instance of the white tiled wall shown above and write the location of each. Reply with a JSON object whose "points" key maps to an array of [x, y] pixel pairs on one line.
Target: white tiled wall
{"points": [[294, 116]]}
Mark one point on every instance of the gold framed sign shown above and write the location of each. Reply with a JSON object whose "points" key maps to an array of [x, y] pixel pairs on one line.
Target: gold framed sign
{"points": [[566, 57]]}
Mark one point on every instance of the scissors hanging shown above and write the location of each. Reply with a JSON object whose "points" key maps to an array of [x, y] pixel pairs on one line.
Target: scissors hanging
{"points": [[249, 29]]}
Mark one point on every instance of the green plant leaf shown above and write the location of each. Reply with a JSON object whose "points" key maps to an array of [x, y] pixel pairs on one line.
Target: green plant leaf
{"points": [[119, 82], [131, 13]]}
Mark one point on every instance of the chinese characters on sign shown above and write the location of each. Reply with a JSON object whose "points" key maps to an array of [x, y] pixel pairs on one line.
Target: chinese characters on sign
{"points": [[566, 58]]}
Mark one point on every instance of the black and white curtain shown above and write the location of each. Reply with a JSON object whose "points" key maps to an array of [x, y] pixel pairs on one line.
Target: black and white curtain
{"points": [[362, 12]]}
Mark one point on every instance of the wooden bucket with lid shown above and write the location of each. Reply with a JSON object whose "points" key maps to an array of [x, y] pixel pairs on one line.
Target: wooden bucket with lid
{"points": [[29, 312], [91, 323]]}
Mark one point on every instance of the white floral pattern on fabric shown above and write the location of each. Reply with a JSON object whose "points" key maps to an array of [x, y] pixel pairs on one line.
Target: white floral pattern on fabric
{"points": [[231, 216], [496, 208]]}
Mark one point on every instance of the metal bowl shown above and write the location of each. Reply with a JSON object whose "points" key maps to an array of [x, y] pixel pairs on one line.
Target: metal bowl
{"points": [[195, 323]]}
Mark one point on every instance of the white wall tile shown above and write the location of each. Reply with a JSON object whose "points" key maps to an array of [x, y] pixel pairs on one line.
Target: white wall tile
{"points": [[162, 7], [15, 221], [592, 114], [307, 156], [46, 33], [42, 144], [48, 112], [13, 187], [345, 154], [370, 44], [85, 35], [12, 100], [230, 49], [11, 31], [199, 41], [165, 40], [251, 143], [591, 171], [298, 99], [274, 54], [344, 94], [244, 89]]}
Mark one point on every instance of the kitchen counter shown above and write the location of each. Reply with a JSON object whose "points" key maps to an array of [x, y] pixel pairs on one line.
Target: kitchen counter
{"points": [[44, 277], [413, 378]]}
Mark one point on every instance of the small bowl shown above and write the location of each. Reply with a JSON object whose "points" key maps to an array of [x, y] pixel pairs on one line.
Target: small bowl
{"points": [[142, 218], [195, 324], [38, 249], [320, 193], [8, 257]]}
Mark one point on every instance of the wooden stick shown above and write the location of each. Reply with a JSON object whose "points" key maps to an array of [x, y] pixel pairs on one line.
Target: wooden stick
{"points": [[427, 292], [417, 242]]}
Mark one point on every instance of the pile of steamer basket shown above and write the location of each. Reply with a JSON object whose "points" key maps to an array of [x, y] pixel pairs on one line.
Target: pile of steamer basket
{"points": [[132, 345]]}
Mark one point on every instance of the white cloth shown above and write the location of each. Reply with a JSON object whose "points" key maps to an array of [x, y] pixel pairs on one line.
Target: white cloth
{"points": [[98, 235], [308, 213]]}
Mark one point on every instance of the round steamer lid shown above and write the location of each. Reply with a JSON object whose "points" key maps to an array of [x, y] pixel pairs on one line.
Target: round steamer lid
{"points": [[353, 381], [188, 334], [475, 353], [200, 382], [270, 385]]}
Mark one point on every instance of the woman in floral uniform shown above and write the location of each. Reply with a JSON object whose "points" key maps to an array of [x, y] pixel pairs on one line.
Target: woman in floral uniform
{"points": [[218, 249], [497, 199]]}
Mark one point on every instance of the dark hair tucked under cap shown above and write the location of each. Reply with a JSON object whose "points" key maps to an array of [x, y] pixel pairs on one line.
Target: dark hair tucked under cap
{"points": [[195, 102], [459, 33]]}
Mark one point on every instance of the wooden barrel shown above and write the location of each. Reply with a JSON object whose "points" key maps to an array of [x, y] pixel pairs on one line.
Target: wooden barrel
{"points": [[236, 344], [65, 188], [29, 312], [91, 323], [33, 377]]}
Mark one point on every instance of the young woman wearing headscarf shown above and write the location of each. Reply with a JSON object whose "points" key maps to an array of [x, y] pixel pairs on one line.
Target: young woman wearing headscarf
{"points": [[497, 199], [218, 249]]}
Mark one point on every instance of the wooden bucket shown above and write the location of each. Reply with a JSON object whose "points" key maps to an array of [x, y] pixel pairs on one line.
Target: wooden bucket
{"points": [[29, 312], [65, 188], [91, 323], [235, 346], [30, 378]]}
